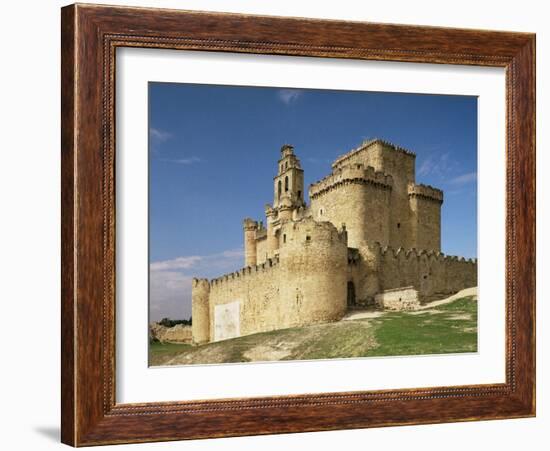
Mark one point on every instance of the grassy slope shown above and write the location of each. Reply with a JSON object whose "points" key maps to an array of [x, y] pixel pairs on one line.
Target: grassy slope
{"points": [[161, 352], [448, 328]]}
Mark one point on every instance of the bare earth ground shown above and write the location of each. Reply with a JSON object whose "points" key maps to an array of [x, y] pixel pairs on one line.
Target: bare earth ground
{"points": [[443, 326]]}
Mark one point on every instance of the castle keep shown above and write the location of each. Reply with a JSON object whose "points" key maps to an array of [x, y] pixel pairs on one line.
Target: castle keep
{"points": [[370, 234]]}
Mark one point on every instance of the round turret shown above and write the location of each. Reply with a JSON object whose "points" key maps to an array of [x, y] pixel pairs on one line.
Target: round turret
{"points": [[249, 228], [200, 294], [313, 260]]}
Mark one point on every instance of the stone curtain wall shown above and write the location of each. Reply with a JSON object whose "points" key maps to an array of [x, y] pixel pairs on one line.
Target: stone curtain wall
{"points": [[306, 284], [431, 273], [257, 291]]}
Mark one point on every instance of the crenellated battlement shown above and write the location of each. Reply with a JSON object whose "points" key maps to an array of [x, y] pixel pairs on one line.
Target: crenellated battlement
{"points": [[353, 173], [198, 282], [250, 224], [365, 145], [425, 191], [306, 230], [310, 263], [248, 271], [408, 254]]}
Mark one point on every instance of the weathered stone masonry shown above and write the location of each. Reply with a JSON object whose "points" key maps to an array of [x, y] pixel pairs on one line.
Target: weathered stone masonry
{"points": [[369, 229]]}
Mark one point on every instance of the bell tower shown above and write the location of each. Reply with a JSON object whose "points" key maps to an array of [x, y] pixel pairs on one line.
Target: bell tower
{"points": [[289, 181]]}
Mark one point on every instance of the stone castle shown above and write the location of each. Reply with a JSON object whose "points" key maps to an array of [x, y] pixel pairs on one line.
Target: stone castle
{"points": [[370, 234]]}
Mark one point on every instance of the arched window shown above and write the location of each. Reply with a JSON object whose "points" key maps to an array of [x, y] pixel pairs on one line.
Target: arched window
{"points": [[281, 168], [299, 194], [286, 165], [279, 190], [286, 184]]}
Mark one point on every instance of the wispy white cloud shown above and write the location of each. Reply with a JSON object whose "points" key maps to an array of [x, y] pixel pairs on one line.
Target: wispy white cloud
{"points": [[289, 96], [156, 138], [464, 179], [159, 135], [170, 280], [184, 161], [176, 263], [232, 253], [169, 295], [437, 164]]}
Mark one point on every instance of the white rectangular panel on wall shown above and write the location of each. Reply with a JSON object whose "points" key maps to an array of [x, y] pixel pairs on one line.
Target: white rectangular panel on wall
{"points": [[227, 321]]}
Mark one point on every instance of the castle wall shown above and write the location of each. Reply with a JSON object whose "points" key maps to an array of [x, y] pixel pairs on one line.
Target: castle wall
{"points": [[304, 267], [400, 164], [431, 273], [256, 292], [382, 156], [357, 197], [364, 275], [306, 285], [392, 160], [425, 204], [261, 250]]}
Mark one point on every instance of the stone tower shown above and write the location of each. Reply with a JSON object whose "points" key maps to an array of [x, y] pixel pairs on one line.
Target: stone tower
{"points": [[200, 293], [289, 181], [369, 230], [250, 226]]}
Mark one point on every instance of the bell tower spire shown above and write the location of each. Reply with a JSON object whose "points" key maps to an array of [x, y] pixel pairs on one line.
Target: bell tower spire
{"points": [[289, 181]]}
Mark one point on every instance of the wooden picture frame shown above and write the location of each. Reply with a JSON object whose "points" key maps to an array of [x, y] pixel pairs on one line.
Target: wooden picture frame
{"points": [[90, 36]]}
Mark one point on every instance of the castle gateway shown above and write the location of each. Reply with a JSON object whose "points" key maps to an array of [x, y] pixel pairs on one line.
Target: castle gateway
{"points": [[370, 233]]}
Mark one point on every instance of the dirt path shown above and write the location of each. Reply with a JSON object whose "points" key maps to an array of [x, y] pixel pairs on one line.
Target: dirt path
{"points": [[461, 294], [369, 314]]}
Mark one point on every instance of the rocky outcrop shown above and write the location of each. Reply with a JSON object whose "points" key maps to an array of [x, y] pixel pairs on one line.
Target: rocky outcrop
{"points": [[176, 334]]}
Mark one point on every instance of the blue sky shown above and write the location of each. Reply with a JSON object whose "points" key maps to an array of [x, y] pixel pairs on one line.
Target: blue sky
{"points": [[214, 151]]}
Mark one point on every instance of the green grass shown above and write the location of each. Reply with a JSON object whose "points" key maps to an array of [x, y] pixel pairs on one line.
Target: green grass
{"points": [[160, 352], [338, 340], [449, 328]]}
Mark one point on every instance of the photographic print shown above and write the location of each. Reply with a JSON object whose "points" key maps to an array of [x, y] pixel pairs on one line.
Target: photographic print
{"points": [[284, 204], [300, 224]]}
